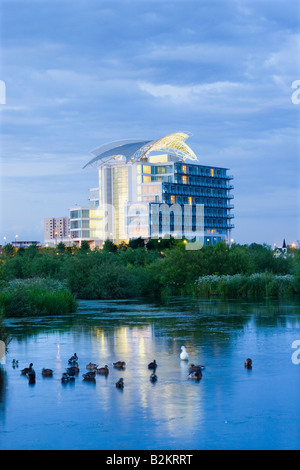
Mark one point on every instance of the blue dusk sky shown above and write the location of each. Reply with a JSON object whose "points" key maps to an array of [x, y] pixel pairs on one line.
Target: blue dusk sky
{"points": [[81, 73]]}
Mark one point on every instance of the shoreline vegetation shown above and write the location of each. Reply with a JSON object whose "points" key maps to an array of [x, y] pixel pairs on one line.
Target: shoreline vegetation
{"points": [[48, 281]]}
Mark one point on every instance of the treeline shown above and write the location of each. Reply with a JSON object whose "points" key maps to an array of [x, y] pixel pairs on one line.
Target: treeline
{"points": [[162, 267]]}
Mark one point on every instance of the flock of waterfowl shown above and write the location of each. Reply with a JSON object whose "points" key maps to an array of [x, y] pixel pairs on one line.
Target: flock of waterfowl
{"points": [[194, 371]]}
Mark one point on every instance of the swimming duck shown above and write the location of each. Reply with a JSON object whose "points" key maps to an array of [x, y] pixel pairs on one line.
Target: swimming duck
{"points": [[73, 359], [152, 365], [73, 370], [193, 368], [153, 377], [103, 370], [196, 375], [31, 376], [184, 355], [66, 377], [119, 364], [47, 372], [89, 375], [248, 363], [27, 369], [91, 366], [15, 363], [120, 383]]}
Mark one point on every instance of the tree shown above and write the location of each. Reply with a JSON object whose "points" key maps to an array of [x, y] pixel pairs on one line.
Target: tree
{"points": [[61, 248], [110, 246], [85, 246], [136, 243], [8, 250]]}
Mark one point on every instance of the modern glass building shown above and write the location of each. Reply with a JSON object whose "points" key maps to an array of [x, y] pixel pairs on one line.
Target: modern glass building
{"points": [[154, 189]]}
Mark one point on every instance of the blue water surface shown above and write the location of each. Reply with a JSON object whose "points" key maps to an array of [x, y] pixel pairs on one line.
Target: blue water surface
{"points": [[230, 408]]}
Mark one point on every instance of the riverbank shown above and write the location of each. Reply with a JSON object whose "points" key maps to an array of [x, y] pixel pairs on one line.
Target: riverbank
{"points": [[160, 269], [32, 297]]}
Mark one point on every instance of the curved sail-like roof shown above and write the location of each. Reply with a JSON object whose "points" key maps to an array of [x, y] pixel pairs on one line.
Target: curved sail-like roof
{"points": [[136, 150]]}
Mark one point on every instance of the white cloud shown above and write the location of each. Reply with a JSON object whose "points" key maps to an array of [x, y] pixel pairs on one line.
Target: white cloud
{"points": [[188, 93]]}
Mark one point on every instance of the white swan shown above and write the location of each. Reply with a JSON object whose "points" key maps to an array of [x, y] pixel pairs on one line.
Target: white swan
{"points": [[184, 355]]}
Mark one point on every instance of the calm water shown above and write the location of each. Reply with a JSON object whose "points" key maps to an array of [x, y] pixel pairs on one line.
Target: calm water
{"points": [[230, 408]]}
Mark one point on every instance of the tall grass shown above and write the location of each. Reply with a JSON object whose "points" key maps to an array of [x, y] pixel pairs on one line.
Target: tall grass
{"points": [[32, 297], [242, 285]]}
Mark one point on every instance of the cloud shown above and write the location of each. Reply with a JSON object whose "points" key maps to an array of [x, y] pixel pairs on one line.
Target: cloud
{"points": [[190, 94]]}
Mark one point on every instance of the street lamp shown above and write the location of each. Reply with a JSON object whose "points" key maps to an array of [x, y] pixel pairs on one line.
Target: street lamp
{"points": [[55, 233], [4, 240], [16, 236]]}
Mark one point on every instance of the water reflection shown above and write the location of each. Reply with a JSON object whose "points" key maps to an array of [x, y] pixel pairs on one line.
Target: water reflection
{"points": [[174, 412]]}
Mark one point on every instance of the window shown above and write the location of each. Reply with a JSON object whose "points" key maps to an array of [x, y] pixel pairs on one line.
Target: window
{"points": [[184, 180], [146, 169], [172, 199]]}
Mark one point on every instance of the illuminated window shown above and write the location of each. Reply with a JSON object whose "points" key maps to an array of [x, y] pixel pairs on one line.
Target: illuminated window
{"points": [[172, 199], [184, 169], [139, 179], [146, 179], [146, 169], [139, 190], [212, 172], [190, 200], [138, 169], [184, 180]]}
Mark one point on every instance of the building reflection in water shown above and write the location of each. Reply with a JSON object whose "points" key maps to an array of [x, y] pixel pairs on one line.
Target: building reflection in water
{"points": [[166, 401]]}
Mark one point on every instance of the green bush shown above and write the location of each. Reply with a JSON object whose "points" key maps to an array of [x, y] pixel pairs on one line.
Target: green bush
{"points": [[36, 297]]}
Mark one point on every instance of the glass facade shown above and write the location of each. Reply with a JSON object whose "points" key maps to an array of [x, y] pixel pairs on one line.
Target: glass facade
{"points": [[175, 193], [120, 199]]}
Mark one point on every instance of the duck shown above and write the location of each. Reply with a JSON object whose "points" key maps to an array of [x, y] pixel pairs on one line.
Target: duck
{"points": [[26, 369], [73, 370], [119, 364], [91, 366], [193, 368], [66, 377], [248, 363], [31, 376], [120, 383], [196, 375], [15, 363], [153, 378], [73, 358], [47, 372], [89, 375], [184, 355], [103, 370], [152, 365]]}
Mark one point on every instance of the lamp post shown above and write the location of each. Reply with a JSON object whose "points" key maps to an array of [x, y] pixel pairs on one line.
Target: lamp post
{"points": [[55, 233], [4, 240], [16, 236]]}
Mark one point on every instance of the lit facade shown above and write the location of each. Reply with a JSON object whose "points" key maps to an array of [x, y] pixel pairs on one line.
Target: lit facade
{"points": [[153, 189]]}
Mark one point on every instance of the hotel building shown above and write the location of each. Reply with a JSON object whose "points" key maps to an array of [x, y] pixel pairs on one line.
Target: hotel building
{"points": [[154, 189]]}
